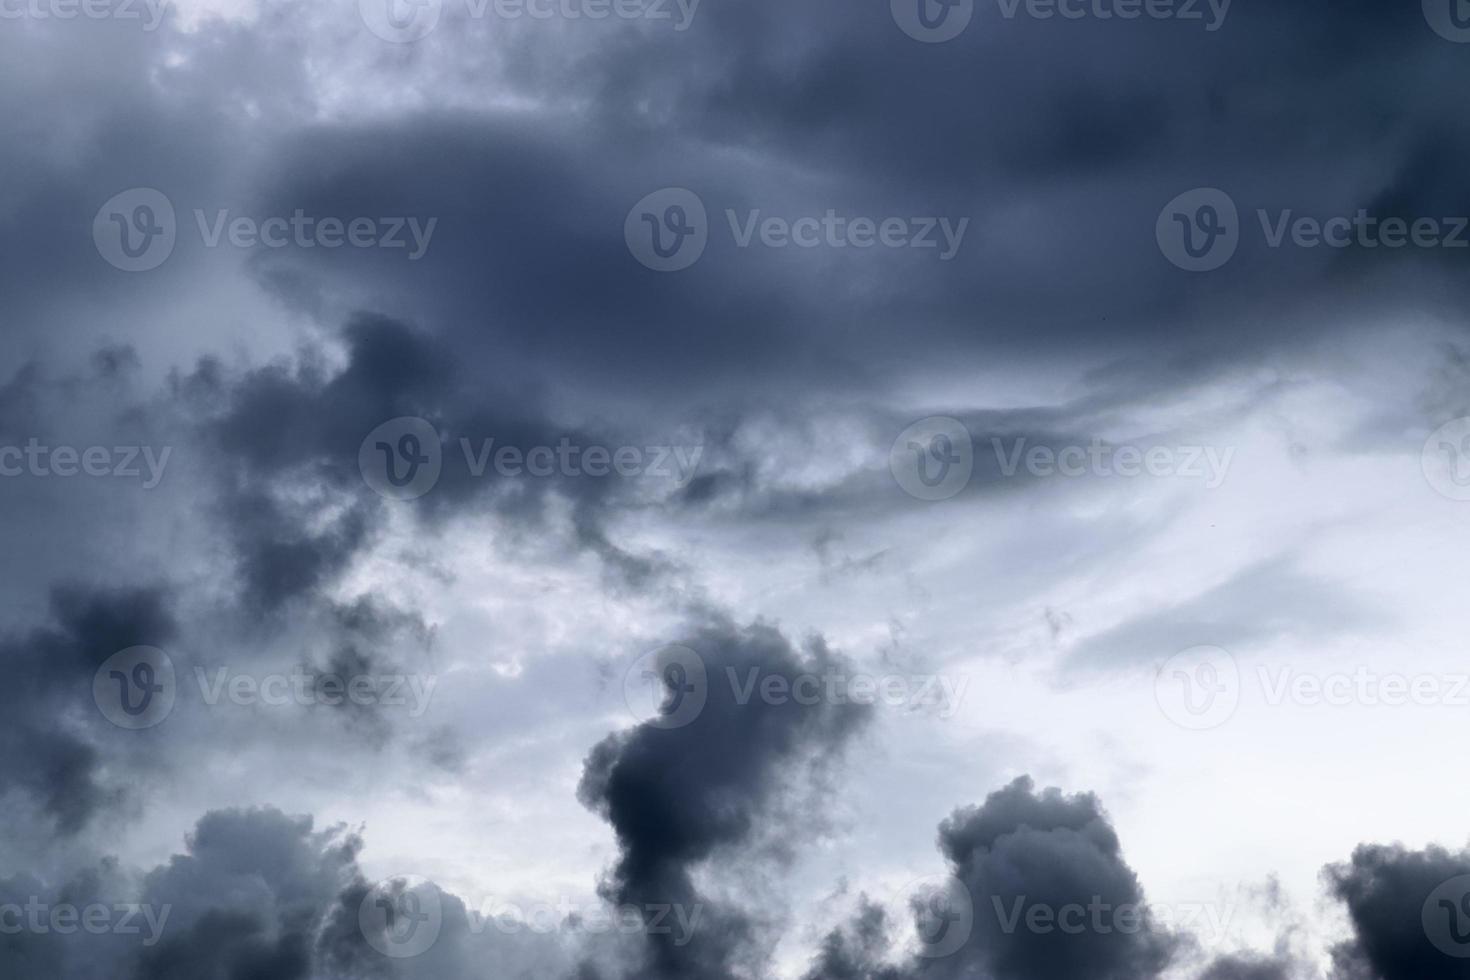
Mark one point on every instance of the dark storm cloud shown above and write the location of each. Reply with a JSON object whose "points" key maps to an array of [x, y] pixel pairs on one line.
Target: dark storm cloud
{"points": [[678, 797], [1407, 910], [855, 951], [281, 428], [248, 899], [1027, 848], [51, 743], [1022, 850], [1047, 134]]}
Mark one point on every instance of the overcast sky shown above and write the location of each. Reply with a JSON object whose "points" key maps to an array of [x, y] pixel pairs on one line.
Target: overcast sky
{"points": [[734, 489]]}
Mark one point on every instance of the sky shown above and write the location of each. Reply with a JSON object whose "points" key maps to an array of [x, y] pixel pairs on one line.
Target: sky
{"points": [[733, 490]]}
